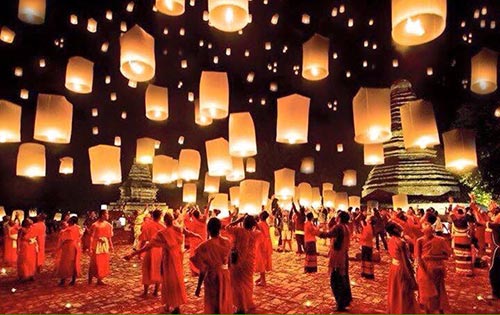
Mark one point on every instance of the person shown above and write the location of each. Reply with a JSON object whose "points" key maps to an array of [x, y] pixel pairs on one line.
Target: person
{"points": [[212, 259], [402, 283], [380, 221], [87, 224], [366, 242], [197, 224], [170, 239], [100, 247], [26, 250], [264, 250], [286, 233], [299, 217], [462, 244], [338, 265], [494, 272], [41, 231], [431, 251], [69, 252], [11, 229], [243, 262], [310, 232], [151, 263]]}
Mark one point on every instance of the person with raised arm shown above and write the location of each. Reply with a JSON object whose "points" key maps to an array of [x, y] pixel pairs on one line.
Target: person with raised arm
{"points": [[197, 224]]}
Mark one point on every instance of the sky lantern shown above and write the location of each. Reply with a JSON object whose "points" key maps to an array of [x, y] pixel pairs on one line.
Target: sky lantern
{"points": [[251, 165], [315, 58], [221, 203], [400, 201], [305, 194], [460, 150], [173, 170], [250, 196], [31, 160], [284, 183], [199, 119], [189, 193], [171, 7], [32, 11], [218, 158], [419, 125], [326, 186], [214, 94], [265, 192], [316, 198], [349, 178], [66, 165], [329, 198], [234, 194], [228, 15], [189, 164], [355, 202], [373, 154], [54, 118], [137, 55], [293, 119], [307, 165], [10, 122], [79, 75], [484, 72], [211, 184], [242, 141], [156, 101], [372, 115], [418, 21], [145, 150], [18, 214], [7, 35], [341, 201], [237, 171], [105, 166], [161, 169]]}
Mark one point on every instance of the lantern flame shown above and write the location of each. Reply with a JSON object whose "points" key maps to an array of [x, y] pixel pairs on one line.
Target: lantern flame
{"points": [[414, 27], [137, 67], [229, 15]]}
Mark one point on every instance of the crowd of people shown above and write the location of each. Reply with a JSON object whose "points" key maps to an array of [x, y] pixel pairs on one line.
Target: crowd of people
{"points": [[226, 252]]}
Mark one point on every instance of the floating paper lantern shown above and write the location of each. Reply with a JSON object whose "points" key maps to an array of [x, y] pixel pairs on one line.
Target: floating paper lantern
{"points": [[251, 165], [284, 183], [173, 170], [316, 198], [228, 15], [265, 192], [200, 119], [234, 194], [32, 213], [53, 120], [400, 201], [105, 166], [373, 154], [354, 202], [221, 203], [137, 55], [211, 183], [242, 135], [156, 102], [341, 201], [214, 94], [237, 171], [315, 58], [118, 141], [484, 72], [145, 150], [18, 215], [250, 196], [7, 35], [419, 125], [2, 213], [189, 193], [372, 115], [325, 187], [79, 75], [305, 194], [171, 7], [460, 150], [218, 158], [417, 22], [349, 178], [329, 198], [32, 11], [66, 165], [293, 119], [189, 164], [162, 169], [10, 122], [58, 216], [31, 160], [340, 147], [307, 165], [92, 25]]}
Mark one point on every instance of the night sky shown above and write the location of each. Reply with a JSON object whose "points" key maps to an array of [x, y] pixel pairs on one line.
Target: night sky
{"points": [[449, 56]]}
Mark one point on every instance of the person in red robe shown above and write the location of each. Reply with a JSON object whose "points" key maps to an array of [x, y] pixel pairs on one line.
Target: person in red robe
{"points": [[212, 258], [310, 232], [173, 289], [69, 252], [26, 250], [87, 224], [198, 225], [366, 242], [41, 231], [10, 242], [263, 250], [151, 263], [100, 247]]}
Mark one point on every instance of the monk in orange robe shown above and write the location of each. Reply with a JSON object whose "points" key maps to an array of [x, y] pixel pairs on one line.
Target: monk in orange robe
{"points": [[69, 252], [26, 250], [41, 232], [10, 242], [198, 225], [263, 250], [100, 248], [212, 258]]}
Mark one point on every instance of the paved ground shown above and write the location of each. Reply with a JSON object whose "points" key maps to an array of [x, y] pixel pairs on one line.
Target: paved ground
{"points": [[289, 290]]}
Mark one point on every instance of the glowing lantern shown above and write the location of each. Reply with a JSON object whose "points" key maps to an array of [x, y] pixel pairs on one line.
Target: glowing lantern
{"points": [[32, 213], [251, 167], [137, 55], [237, 171], [228, 15], [484, 72], [250, 196], [293, 119], [349, 178], [2, 213], [7, 35], [58, 216], [234, 194], [18, 215], [189, 164], [340, 147], [173, 170], [341, 201], [170, 7], [199, 119], [79, 75], [307, 165], [32, 11], [372, 115], [189, 193], [211, 183], [284, 183], [354, 202], [10, 122], [161, 169], [400, 201], [221, 203], [214, 94], [156, 102], [417, 22], [315, 58], [460, 150], [316, 198], [118, 141], [145, 150], [53, 120], [419, 125], [218, 158], [265, 192], [66, 165], [105, 167], [373, 154], [31, 160], [325, 187], [242, 135], [305, 194], [329, 198]]}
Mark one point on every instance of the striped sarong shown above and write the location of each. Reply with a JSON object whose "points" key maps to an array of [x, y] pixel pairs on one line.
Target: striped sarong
{"points": [[311, 261], [462, 251], [367, 270]]}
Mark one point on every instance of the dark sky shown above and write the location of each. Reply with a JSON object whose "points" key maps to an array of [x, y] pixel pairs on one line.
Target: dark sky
{"points": [[449, 56]]}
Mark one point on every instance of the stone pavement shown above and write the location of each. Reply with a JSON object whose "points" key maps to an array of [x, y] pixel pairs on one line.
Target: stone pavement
{"points": [[289, 290]]}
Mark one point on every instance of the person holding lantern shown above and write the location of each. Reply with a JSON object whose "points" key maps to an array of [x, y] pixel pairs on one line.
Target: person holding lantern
{"points": [[101, 246]]}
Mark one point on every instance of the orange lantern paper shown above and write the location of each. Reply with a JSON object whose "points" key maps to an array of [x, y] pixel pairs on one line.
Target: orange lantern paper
{"points": [[234, 194], [214, 94], [189, 193], [218, 158], [250, 196], [484, 72], [31, 160], [79, 75], [460, 150], [242, 135], [251, 167], [105, 166], [400, 201], [221, 203], [156, 102], [200, 119], [354, 202], [170, 7], [161, 169], [145, 150], [265, 192], [307, 165], [173, 170], [18, 215], [284, 183], [237, 171], [329, 198], [228, 15], [7, 35], [305, 194], [66, 165], [326, 186], [372, 115], [2, 213], [137, 55], [212, 184], [341, 201], [10, 122], [349, 178], [316, 198], [189, 164], [54, 118], [32, 11], [293, 119], [373, 154], [419, 125], [315, 58]]}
